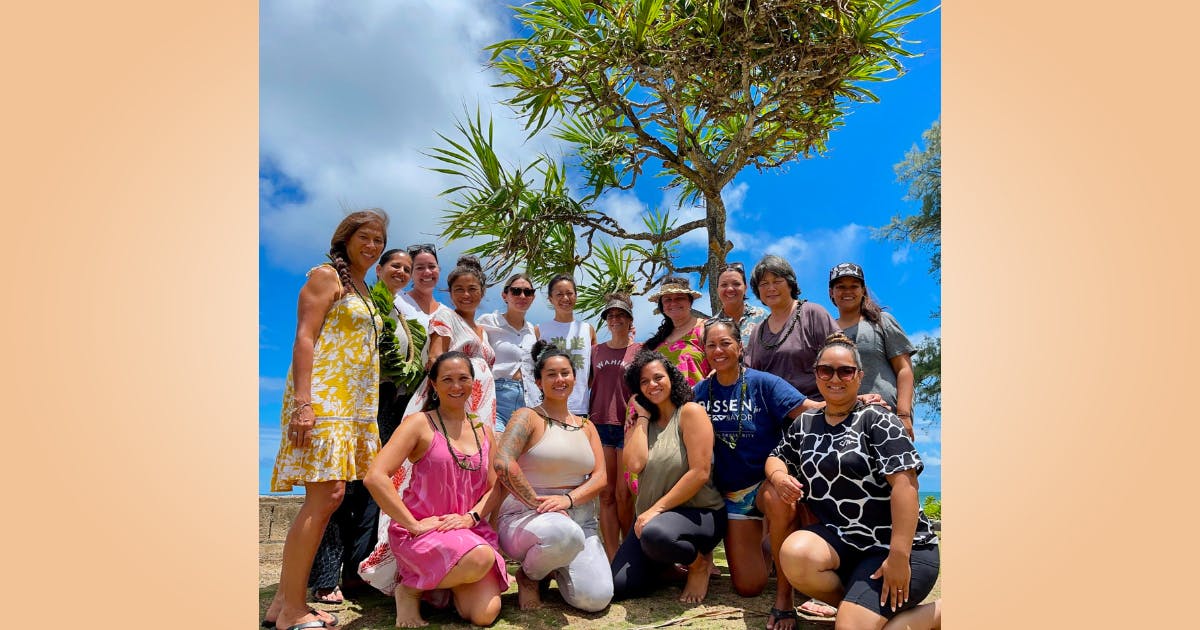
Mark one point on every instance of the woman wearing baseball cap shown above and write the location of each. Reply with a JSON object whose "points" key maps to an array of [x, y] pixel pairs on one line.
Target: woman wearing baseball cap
{"points": [[885, 349], [609, 407]]}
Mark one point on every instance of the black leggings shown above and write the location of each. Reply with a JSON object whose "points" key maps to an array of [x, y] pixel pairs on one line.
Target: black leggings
{"points": [[674, 537]]}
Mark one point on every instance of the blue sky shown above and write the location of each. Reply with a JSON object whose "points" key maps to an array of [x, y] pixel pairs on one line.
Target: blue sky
{"points": [[352, 95]]}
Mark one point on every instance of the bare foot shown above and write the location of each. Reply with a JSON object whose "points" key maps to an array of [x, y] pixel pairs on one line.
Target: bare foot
{"points": [[408, 608], [696, 586], [528, 596]]}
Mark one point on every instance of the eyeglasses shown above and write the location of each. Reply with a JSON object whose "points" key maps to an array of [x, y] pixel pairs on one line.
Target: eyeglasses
{"points": [[844, 372], [521, 291]]}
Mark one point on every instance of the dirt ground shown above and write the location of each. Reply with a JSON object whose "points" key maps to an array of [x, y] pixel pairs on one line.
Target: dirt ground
{"points": [[722, 608]]}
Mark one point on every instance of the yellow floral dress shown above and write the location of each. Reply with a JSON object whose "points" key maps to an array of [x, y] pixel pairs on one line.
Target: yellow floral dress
{"points": [[345, 394]]}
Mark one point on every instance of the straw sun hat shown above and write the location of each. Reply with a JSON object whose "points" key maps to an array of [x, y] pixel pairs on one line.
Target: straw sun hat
{"points": [[675, 285]]}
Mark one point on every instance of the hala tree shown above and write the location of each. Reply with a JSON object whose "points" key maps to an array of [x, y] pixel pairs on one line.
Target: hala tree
{"points": [[691, 90]]}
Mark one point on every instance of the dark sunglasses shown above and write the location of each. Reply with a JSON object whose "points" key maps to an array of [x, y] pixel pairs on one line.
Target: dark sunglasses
{"points": [[844, 372], [520, 291], [733, 265], [413, 250], [718, 319]]}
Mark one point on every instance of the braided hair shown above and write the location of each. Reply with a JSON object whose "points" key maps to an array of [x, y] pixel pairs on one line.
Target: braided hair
{"points": [[345, 230]]}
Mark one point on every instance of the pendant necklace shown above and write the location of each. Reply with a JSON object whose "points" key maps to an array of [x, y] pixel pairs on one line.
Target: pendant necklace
{"points": [[739, 416], [463, 462], [546, 416]]}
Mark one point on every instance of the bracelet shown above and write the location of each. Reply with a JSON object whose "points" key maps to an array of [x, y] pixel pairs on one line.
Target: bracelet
{"points": [[771, 477], [571, 499], [300, 406], [904, 415]]}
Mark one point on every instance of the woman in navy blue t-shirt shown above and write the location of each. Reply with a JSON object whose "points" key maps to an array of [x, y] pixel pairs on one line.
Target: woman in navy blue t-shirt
{"points": [[749, 410]]}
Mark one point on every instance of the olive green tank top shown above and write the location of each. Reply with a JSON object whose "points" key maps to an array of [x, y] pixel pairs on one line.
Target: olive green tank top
{"points": [[667, 461]]}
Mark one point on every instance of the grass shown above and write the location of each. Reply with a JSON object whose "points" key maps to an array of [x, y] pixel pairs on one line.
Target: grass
{"points": [[722, 609]]}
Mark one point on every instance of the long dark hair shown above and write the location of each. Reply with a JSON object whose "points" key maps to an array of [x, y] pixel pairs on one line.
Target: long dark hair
{"points": [[681, 392], [432, 401]]}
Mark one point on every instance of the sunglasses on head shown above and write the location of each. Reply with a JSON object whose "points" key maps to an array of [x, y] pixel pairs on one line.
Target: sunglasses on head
{"points": [[718, 319], [413, 250], [521, 291], [733, 265], [844, 372]]}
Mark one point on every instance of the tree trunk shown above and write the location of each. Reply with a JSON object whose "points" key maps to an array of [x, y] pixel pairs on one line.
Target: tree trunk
{"points": [[715, 211]]}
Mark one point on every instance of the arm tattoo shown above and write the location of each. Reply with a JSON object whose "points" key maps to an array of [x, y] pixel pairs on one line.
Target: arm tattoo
{"points": [[516, 435]]}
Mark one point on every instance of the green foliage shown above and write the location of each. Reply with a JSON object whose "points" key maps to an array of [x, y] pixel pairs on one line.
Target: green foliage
{"points": [[927, 377], [403, 368], [922, 171], [932, 508], [700, 90]]}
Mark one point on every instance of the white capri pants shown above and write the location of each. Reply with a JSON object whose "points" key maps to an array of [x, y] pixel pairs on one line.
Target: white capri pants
{"points": [[568, 548]]}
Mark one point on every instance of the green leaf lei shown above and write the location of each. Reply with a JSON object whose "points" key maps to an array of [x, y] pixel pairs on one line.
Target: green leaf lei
{"points": [[405, 369]]}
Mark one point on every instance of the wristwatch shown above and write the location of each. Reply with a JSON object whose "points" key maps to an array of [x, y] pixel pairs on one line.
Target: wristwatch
{"points": [[475, 515]]}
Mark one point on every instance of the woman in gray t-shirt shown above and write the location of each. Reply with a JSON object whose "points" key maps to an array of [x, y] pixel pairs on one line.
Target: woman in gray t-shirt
{"points": [[885, 349]]}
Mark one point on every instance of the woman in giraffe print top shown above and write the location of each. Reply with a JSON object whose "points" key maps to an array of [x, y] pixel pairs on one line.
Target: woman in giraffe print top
{"points": [[873, 554]]}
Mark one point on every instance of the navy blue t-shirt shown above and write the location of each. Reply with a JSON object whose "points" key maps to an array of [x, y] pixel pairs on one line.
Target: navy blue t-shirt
{"points": [[763, 412]]}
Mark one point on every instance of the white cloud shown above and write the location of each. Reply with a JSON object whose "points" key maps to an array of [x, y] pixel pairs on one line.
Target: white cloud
{"points": [[921, 335], [353, 94], [734, 196], [900, 256]]}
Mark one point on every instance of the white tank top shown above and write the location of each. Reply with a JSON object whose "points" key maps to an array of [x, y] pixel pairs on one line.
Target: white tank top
{"points": [[574, 337]]}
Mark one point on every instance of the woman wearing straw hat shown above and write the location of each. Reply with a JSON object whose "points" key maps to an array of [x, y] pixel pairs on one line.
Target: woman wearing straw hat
{"points": [[678, 337]]}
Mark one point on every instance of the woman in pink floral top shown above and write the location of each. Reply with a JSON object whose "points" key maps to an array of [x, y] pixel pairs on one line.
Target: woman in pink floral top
{"points": [[678, 338]]}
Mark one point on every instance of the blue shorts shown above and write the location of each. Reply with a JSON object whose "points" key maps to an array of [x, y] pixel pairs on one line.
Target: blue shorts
{"points": [[740, 504], [611, 435], [510, 396]]}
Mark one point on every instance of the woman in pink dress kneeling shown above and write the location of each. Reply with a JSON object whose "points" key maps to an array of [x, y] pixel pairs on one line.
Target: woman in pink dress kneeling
{"points": [[438, 537]]}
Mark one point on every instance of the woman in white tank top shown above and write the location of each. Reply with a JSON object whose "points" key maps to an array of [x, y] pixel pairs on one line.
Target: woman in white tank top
{"points": [[574, 337]]}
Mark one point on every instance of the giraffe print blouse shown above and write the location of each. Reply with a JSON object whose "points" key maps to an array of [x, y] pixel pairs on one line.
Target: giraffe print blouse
{"points": [[843, 469]]}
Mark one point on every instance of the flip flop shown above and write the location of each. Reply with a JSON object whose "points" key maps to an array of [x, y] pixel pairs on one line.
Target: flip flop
{"points": [[818, 608], [778, 614], [321, 623]]}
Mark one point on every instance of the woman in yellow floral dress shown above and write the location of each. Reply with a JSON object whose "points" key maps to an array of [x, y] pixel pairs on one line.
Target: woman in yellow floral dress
{"points": [[330, 434]]}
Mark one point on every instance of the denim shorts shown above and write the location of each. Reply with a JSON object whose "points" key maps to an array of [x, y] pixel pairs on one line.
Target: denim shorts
{"points": [[510, 396], [611, 435]]}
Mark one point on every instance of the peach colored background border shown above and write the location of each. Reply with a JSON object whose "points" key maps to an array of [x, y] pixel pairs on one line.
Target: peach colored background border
{"points": [[130, 136]]}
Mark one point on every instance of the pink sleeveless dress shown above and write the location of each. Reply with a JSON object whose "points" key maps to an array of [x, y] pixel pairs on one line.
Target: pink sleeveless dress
{"points": [[440, 486]]}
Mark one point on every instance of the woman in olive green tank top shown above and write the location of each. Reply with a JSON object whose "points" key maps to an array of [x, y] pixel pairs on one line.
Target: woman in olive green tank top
{"points": [[680, 515]]}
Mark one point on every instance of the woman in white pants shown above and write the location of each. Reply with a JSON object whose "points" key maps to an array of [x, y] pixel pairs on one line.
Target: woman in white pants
{"points": [[552, 464]]}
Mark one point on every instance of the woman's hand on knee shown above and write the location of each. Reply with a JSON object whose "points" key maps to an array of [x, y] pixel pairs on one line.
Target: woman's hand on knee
{"points": [[644, 518]]}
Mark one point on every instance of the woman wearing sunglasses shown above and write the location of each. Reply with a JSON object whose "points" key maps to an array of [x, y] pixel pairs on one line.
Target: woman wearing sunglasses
{"points": [[749, 411], [874, 553], [512, 337], [885, 349], [731, 289]]}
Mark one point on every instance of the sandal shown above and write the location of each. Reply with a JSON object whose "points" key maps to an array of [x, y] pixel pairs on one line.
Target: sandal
{"points": [[316, 623], [331, 596], [778, 615], [818, 608]]}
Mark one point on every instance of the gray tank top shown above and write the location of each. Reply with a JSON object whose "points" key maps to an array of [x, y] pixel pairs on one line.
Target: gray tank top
{"points": [[665, 465]]}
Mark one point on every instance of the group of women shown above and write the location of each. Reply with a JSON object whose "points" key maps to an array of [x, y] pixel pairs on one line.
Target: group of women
{"points": [[621, 465]]}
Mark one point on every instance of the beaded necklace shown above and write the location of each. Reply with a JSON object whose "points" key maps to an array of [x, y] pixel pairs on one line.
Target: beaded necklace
{"points": [[370, 311], [791, 324], [739, 416], [464, 462]]}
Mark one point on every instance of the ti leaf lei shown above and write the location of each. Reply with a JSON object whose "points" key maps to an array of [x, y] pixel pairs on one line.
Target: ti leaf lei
{"points": [[405, 369]]}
